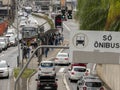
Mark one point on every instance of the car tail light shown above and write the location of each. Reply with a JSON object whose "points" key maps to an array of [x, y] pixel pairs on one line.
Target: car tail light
{"points": [[66, 58], [55, 85], [72, 73], [84, 88], [38, 83], [101, 88]]}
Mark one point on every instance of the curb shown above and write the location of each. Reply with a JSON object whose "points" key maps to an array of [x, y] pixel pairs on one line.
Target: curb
{"points": [[28, 79]]}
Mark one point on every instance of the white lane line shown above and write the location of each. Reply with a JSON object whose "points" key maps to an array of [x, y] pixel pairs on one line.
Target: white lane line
{"points": [[67, 27], [61, 69], [65, 82]]}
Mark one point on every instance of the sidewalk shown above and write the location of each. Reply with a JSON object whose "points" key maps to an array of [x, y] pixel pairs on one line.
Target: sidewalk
{"points": [[52, 53]]}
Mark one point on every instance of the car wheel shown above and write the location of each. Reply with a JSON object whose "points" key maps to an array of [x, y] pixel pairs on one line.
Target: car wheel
{"points": [[70, 79], [7, 76]]}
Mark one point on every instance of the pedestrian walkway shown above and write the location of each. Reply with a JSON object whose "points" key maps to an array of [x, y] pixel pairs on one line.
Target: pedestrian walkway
{"points": [[52, 53]]}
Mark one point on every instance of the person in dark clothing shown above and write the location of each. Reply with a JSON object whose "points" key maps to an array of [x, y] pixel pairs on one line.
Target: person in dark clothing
{"points": [[24, 52], [46, 51]]}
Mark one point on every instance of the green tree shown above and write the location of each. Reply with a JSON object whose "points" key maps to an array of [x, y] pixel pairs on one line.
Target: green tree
{"points": [[92, 14], [113, 19]]}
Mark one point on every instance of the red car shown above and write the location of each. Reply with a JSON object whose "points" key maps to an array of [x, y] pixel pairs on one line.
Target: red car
{"points": [[79, 64]]}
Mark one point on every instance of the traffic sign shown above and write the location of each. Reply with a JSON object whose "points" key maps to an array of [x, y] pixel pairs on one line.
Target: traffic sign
{"points": [[95, 46]]}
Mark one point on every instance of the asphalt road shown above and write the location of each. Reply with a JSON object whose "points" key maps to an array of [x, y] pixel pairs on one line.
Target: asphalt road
{"points": [[10, 55]]}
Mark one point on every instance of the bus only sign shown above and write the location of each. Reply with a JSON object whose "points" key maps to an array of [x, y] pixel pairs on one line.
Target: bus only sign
{"points": [[96, 44]]}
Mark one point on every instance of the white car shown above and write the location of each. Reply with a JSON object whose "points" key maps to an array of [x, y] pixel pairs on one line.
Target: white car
{"points": [[3, 43], [4, 69], [90, 82], [47, 68], [76, 72], [62, 58]]}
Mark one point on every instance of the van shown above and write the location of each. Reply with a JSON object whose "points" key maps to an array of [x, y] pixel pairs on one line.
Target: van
{"points": [[47, 68]]}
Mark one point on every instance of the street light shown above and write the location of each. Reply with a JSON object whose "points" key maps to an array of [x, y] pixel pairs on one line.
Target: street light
{"points": [[18, 57]]}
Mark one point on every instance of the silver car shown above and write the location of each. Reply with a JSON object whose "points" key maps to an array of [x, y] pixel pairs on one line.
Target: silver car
{"points": [[89, 83], [4, 69]]}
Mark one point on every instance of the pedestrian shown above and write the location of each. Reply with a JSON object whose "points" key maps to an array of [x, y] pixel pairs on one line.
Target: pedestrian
{"points": [[24, 52], [28, 52], [46, 52]]}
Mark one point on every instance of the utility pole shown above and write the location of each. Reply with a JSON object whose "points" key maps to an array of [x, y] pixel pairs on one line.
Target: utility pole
{"points": [[18, 57]]}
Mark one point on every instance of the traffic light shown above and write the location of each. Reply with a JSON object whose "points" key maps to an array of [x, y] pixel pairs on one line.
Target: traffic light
{"points": [[69, 14], [63, 12], [58, 21]]}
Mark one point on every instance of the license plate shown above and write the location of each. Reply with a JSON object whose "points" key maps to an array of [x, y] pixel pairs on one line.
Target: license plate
{"points": [[47, 87]]}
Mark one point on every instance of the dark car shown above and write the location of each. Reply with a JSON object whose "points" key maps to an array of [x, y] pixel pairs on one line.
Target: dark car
{"points": [[46, 83]]}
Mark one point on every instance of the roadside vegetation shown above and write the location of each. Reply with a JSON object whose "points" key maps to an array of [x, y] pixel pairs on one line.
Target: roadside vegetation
{"points": [[26, 74], [99, 15]]}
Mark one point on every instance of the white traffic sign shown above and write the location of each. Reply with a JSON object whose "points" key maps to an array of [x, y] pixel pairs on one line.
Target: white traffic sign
{"points": [[104, 42]]}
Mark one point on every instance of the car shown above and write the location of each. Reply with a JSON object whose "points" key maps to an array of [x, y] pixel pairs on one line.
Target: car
{"points": [[47, 83], [4, 69], [3, 43], [47, 68], [62, 58], [76, 72], [11, 30], [89, 82]]}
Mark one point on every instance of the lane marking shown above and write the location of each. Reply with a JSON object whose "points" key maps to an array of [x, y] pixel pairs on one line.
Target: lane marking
{"points": [[61, 69], [67, 27]]}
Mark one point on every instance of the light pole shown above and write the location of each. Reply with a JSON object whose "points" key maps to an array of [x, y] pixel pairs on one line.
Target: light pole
{"points": [[18, 57]]}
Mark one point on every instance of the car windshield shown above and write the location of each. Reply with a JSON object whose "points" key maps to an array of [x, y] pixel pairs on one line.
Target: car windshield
{"points": [[46, 64], [93, 84], [2, 65], [79, 69]]}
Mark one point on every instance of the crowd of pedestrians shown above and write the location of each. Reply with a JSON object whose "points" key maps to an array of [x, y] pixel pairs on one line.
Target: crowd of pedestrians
{"points": [[48, 39], [51, 39]]}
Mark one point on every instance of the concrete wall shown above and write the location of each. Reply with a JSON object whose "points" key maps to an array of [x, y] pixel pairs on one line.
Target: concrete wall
{"points": [[110, 74]]}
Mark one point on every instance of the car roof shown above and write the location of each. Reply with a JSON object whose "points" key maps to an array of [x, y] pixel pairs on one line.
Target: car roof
{"points": [[48, 61], [62, 53]]}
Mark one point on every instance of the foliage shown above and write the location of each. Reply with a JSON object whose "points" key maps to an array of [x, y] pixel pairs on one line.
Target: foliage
{"points": [[25, 74], [92, 14], [113, 20]]}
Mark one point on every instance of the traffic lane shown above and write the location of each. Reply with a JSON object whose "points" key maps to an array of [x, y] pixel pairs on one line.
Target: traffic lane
{"points": [[71, 85], [60, 71], [7, 84], [71, 24], [41, 21], [10, 55]]}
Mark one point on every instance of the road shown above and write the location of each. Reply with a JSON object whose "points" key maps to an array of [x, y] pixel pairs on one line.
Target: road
{"points": [[61, 70], [10, 55]]}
